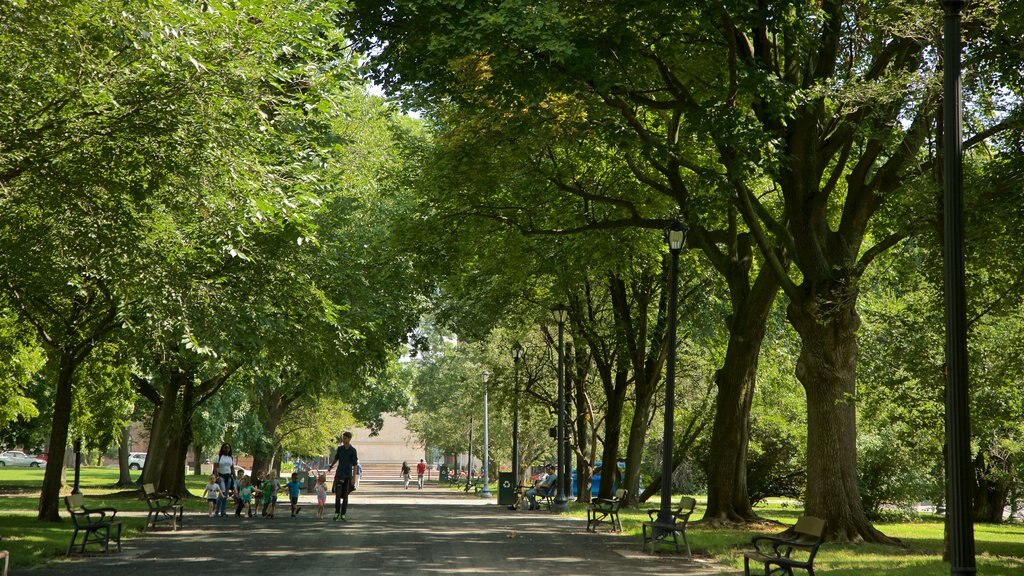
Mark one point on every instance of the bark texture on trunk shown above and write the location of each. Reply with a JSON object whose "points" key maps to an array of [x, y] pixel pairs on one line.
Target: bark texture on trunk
{"points": [[728, 499], [826, 368], [49, 499], [160, 436], [613, 434], [993, 479], [124, 477]]}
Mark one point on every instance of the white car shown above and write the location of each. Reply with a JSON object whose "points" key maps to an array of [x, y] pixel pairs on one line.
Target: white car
{"points": [[19, 458], [136, 460]]}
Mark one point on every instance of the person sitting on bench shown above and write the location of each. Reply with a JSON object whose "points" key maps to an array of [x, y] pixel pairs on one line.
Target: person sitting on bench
{"points": [[544, 488]]}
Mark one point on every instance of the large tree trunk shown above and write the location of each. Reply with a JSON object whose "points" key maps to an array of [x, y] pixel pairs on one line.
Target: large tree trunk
{"points": [[728, 499], [160, 436], [172, 480], [197, 459], [826, 368], [584, 465], [613, 434], [49, 498], [638, 430], [992, 484], [124, 479]]}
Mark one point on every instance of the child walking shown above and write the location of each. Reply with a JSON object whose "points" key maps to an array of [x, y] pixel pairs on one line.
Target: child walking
{"points": [[271, 486], [213, 492], [245, 497], [294, 489], [321, 495], [257, 493]]}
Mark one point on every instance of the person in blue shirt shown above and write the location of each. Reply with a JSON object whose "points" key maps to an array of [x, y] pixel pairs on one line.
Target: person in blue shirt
{"points": [[347, 460], [294, 489]]}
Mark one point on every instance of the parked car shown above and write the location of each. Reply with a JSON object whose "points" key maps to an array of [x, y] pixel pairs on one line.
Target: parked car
{"points": [[19, 458], [136, 460]]}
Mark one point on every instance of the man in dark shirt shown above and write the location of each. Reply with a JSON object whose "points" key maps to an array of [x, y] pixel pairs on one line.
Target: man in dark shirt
{"points": [[346, 459]]}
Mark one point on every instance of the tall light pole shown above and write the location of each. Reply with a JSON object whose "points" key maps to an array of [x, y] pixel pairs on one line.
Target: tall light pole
{"points": [[676, 237], [560, 313], [517, 355], [485, 492], [958, 427], [469, 457]]}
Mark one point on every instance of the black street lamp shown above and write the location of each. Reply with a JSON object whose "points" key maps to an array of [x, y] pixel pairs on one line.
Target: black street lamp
{"points": [[485, 492], [78, 466], [560, 314], [676, 237], [958, 427], [469, 457], [517, 355]]}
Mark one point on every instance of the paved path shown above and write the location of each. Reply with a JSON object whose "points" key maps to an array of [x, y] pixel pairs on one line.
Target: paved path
{"points": [[390, 531]]}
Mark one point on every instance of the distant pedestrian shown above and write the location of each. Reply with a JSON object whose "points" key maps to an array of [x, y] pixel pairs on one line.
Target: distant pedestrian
{"points": [[359, 473], [421, 470], [294, 489], [225, 463], [405, 474], [213, 492], [347, 460], [321, 495]]}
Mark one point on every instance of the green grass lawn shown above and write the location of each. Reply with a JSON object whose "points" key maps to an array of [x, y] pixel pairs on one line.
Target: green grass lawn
{"points": [[33, 542], [1000, 548]]}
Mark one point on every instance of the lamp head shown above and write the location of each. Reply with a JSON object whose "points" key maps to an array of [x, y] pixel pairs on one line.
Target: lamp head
{"points": [[517, 352], [560, 313], [676, 236]]}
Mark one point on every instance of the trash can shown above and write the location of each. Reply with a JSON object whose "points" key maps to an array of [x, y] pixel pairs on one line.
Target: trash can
{"points": [[444, 473], [506, 489]]}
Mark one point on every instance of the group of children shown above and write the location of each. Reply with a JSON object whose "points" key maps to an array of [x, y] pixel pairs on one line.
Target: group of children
{"points": [[249, 493]]}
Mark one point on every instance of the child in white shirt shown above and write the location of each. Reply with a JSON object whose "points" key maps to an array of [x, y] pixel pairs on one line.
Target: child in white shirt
{"points": [[213, 492]]}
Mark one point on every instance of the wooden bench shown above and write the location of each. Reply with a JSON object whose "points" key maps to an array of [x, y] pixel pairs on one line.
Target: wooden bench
{"points": [[656, 531], [162, 508], [606, 511], [805, 538], [96, 525]]}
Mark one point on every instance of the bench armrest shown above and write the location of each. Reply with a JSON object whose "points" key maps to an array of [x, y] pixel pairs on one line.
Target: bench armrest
{"points": [[769, 541], [103, 512]]}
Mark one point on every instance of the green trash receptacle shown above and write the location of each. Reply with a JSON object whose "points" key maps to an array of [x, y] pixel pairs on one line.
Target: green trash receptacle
{"points": [[506, 489], [444, 473]]}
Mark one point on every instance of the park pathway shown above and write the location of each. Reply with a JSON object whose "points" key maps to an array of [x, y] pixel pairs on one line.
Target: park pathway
{"points": [[390, 531]]}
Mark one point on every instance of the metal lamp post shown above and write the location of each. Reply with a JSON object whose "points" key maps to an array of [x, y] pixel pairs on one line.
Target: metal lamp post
{"points": [[560, 313], [517, 355], [958, 427], [78, 466], [676, 237], [469, 457], [485, 492]]}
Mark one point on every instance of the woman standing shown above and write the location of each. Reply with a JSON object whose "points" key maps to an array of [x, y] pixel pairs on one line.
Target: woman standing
{"points": [[225, 464]]}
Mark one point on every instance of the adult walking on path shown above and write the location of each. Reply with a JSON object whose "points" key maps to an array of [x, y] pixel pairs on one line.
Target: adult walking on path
{"points": [[225, 464], [347, 459], [406, 471], [421, 469]]}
